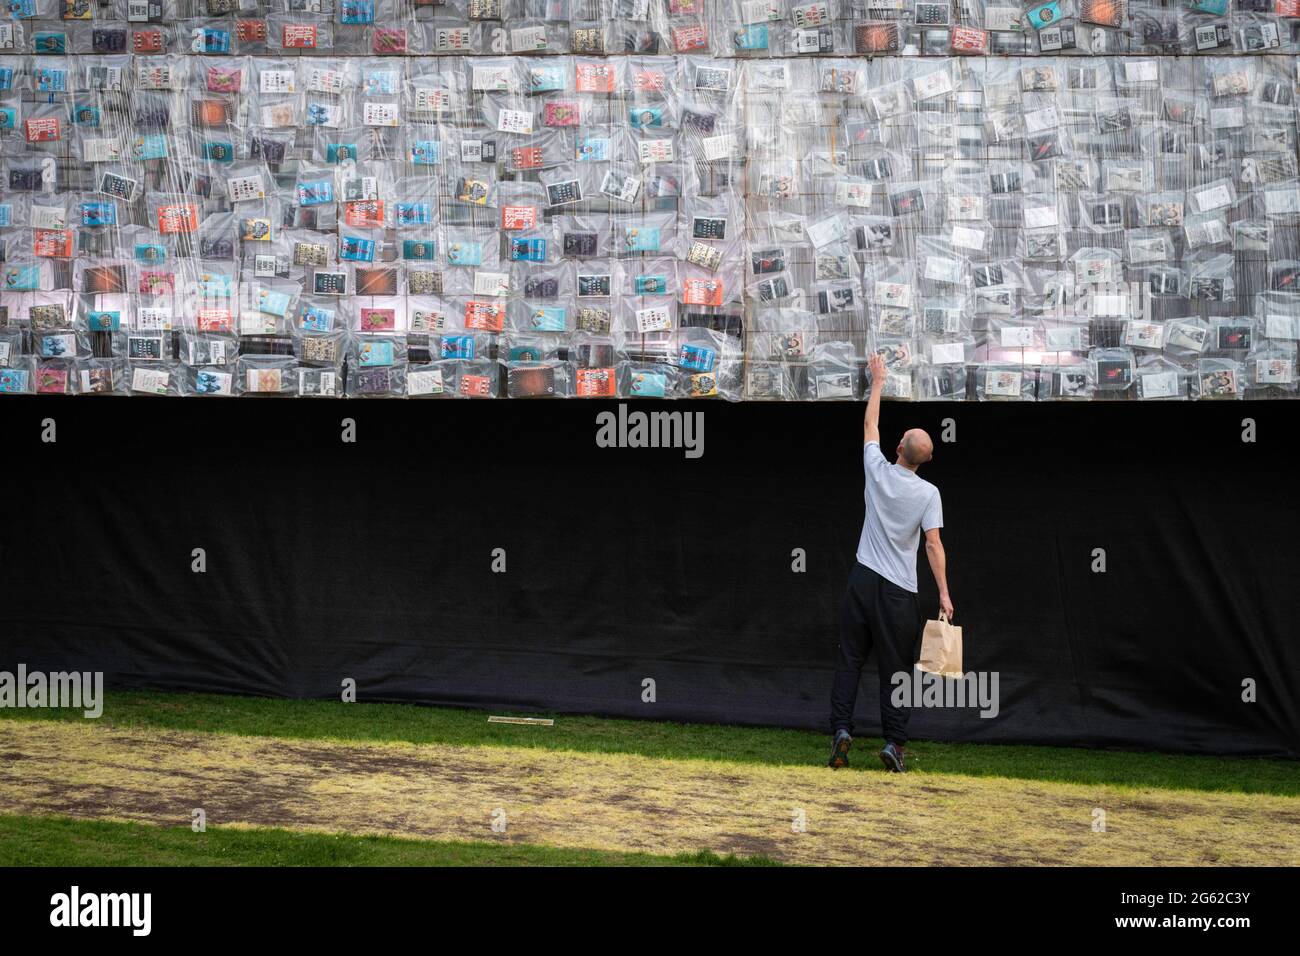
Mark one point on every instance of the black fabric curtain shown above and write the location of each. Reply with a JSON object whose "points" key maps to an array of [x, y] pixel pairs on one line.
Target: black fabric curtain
{"points": [[374, 559]]}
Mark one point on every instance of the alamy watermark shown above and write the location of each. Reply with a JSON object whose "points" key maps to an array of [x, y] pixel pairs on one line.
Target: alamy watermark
{"points": [[71, 689], [917, 688], [75, 908], [638, 429], [1102, 300]]}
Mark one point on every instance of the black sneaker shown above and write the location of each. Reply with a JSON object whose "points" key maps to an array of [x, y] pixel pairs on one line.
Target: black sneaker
{"points": [[892, 758], [840, 749]]}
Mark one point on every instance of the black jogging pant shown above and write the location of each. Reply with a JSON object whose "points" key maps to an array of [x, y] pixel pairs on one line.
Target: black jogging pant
{"points": [[876, 613]]}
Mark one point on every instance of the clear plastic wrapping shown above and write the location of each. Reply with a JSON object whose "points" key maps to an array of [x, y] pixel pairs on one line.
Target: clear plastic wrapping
{"points": [[649, 198]]}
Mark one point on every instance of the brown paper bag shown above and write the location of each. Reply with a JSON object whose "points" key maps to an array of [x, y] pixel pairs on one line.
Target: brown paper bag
{"points": [[941, 648]]}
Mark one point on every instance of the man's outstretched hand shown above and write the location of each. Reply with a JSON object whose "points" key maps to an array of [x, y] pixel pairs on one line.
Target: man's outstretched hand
{"points": [[877, 365]]}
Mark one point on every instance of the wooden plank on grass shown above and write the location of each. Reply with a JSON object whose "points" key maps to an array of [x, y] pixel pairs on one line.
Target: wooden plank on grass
{"points": [[541, 721]]}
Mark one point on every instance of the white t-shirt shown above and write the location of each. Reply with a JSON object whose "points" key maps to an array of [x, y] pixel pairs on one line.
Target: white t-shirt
{"points": [[900, 505]]}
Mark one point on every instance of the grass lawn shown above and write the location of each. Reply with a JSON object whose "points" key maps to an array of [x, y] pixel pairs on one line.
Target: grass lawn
{"points": [[333, 720], [287, 782], [579, 802], [59, 841]]}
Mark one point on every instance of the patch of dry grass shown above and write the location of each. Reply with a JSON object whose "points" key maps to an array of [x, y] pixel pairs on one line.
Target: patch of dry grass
{"points": [[626, 802]]}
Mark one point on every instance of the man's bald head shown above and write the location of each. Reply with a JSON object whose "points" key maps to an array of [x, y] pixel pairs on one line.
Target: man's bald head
{"points": [[915, 448]]}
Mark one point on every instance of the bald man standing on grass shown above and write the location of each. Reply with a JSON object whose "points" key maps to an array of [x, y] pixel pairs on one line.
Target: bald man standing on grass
{"points": [[880, 609]]}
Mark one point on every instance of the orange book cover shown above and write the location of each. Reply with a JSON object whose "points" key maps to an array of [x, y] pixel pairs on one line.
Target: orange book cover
{"points": [[595, 382], [485, 316], [702, 292]]}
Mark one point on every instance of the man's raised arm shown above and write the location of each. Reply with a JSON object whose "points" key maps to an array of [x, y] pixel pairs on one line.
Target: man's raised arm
{"points": [[871, 424]]}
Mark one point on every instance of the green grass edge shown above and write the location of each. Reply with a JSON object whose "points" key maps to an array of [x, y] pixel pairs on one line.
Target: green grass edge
{"points": [[64, 841]]}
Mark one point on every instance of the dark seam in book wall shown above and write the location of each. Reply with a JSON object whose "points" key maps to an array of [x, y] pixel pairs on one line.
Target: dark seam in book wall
{"points": [[650, 198]]}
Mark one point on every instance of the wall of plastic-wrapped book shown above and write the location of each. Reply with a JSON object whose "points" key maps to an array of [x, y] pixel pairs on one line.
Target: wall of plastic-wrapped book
{"points": [[1077, 199]]}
